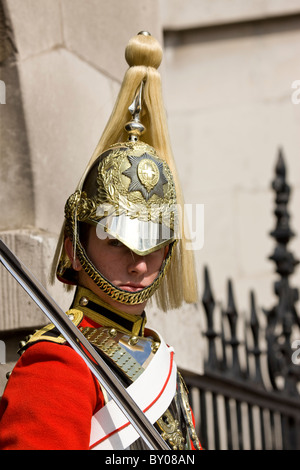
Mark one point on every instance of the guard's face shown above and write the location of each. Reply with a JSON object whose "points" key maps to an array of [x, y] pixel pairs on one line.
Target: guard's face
{"points": [[123, 268]]}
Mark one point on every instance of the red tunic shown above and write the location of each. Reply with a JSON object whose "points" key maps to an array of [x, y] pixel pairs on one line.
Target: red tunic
{"points": [[49, 400]]}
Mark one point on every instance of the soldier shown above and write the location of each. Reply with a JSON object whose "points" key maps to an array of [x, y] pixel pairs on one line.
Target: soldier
{"points": [[121, 243]]}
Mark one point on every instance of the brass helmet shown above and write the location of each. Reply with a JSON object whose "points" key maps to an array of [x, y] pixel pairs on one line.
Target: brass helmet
{"points": [[128, 190], [129, 194]]}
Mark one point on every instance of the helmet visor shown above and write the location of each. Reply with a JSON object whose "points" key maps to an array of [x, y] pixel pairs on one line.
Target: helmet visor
{"points": [[142, 237]]}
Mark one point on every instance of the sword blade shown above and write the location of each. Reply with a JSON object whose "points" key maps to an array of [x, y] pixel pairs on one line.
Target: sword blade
{"points": [[80, 344]]}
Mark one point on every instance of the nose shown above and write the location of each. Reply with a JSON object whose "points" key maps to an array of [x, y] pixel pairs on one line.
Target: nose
{"points": [[138, 264]]}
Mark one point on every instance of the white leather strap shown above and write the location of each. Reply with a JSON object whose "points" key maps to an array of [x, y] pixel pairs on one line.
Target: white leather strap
{"points": [[153, 392]]}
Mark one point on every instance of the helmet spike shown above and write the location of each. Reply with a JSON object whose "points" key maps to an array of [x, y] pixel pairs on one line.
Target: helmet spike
{"points": [[134, 127]]}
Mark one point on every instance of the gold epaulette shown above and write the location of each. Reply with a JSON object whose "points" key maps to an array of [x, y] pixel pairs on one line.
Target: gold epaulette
{"points": [[50, 332]]}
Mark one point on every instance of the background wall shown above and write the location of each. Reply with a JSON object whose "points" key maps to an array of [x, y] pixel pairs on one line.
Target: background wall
{"points": [[227, 76]]}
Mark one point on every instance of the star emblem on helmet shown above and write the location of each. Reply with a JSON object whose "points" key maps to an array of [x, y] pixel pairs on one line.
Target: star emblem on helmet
{"points": [[146, 176]]}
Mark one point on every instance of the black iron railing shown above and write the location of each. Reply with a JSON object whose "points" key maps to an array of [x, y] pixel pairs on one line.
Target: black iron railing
{"points": [[248, 396]]}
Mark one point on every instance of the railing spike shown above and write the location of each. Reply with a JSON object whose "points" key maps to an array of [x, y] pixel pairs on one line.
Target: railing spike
{"points": [[255, 328], [224, 363], [209, 307], [282, 316], [232, 316]]}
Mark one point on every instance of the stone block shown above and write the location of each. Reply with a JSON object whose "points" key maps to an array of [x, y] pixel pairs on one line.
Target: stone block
{"points": [[219, 251], [177, 14], [248, 65], [98, 31], [36, 25], [254, 213], [16, 195], [67, 104], [189, 345], [35, 250], [230, 108]]}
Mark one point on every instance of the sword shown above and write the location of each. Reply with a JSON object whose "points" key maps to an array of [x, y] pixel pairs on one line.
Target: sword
{"points": [[80, 344]]}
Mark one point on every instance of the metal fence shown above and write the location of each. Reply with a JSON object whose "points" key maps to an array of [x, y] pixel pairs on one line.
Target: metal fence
{"points": [[248, 396]]}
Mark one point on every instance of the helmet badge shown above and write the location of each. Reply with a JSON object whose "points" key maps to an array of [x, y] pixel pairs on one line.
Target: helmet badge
{"points": [[146, 174]]}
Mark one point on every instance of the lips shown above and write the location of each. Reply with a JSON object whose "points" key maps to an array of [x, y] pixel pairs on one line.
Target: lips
{"points": [[132, 287]]}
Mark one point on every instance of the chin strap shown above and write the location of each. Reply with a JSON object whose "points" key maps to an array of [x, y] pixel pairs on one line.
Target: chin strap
{"points": [[120, 295]]}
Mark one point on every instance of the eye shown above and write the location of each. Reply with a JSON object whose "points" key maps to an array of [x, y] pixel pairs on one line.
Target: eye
{"points": [[115, 242]]}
